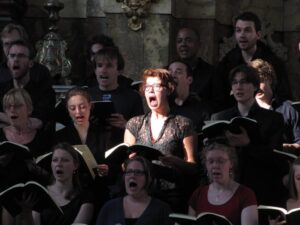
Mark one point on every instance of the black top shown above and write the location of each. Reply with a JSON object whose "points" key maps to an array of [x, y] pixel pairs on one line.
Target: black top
{"points": [[126, 102], [259, 167], [40, 144], [235, 58], [70, 210], [40, 90], [193, 108], [206, 83]]}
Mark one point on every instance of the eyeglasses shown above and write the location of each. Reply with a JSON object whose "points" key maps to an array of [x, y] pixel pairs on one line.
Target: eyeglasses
{"points": [[134, 173], [18, 56], [155, 87]]}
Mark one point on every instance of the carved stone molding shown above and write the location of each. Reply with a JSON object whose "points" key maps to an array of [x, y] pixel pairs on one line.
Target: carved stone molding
{"points": [[136, 11]]}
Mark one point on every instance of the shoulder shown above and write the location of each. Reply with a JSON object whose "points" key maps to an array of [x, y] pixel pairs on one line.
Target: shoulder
{"points": [[112, 204], [225, 114], [157, 203], [137, 119], [246, 195]]}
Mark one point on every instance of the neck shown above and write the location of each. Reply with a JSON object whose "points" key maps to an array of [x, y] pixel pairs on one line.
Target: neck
{"points": [[264, 102], [228, 185], [181, 96], [161, 113], [244, 107], [21, 128], [82, 127], [63, 186], [21, 83], [139, 198], [248, 53]]}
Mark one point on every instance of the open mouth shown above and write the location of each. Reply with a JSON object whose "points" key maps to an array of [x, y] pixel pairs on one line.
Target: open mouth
{"points": [[59, 172], [13, 117], [103, 77], [153, 101], [132, 184], [16, 67]]}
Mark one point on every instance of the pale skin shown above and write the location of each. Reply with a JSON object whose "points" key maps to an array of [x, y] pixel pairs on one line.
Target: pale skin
{"points": [[19, 68], [264, 99], [137, 198], [107, 73], [218, 165], [244, 95], [79, 110], [246, 37], [159, 113], [62, 161], [291, 203]]}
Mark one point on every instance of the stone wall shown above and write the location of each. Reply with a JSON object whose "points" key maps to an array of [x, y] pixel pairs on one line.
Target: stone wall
{"points": [[154, 45]]}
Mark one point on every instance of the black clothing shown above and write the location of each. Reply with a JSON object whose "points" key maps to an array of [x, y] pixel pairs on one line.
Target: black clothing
{"points": [[126, 102], [206, 84], [259, 167], [193, 108], [40, 90], [235, 58]]}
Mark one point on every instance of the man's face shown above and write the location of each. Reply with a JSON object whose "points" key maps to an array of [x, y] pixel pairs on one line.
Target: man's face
{"points": [[265, 91], [8, 38], [107, 73], [18, 61], [187, 44], [179, 72], [246, 35], [243, 91]]}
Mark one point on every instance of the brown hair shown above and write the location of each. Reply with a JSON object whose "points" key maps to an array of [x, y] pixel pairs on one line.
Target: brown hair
{"points": [[163, 74], [220, 143], [265, 71], [147, 168]]}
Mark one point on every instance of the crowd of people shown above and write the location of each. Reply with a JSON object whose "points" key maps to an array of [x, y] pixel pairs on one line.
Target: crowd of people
{"points": [[229, 173]]}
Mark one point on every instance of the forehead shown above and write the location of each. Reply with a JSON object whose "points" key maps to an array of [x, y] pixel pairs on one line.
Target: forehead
{"points": [[135, 165], [244, 24], [186, 33], [61, 153], [19, 49], [77, 98], [153, 80], [177, 66], [11, 36], [239, 76], [213, 153], [104, 59]]}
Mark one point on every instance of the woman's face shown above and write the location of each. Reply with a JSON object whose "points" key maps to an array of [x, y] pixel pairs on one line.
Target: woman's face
{"points": [[63, 165], [155, 93], [17, 113], [218, 165], [135, 179], [297, 177], [79, 109]]}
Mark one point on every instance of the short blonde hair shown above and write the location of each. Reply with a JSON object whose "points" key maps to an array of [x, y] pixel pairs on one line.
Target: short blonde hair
{"points": [[17, 96]]}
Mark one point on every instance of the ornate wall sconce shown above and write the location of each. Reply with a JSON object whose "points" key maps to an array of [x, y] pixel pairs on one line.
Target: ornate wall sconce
{"points": [[136, 11], [51, 49]]}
